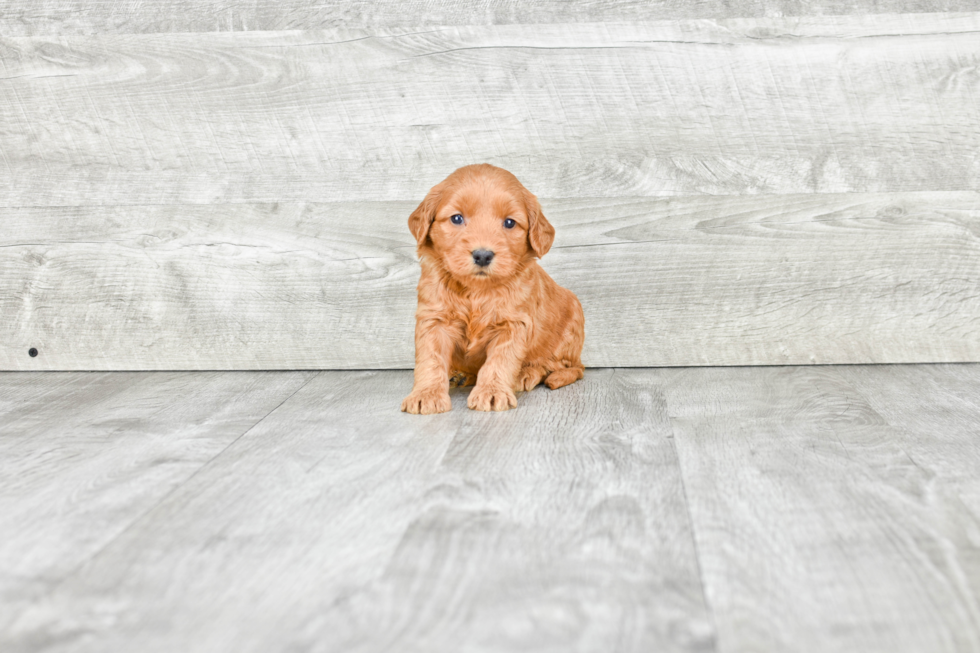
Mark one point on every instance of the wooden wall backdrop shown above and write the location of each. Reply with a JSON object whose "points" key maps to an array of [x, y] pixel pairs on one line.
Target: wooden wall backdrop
{"points": [[60, 17], [732, 183]]}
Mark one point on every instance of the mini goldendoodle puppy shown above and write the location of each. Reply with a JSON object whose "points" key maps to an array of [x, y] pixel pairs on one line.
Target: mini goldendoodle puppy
{"points": [[487, 312]]}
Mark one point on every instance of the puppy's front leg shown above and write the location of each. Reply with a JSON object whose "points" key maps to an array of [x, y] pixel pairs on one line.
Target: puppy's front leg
{"points": [[435, 340], [495, 383]]}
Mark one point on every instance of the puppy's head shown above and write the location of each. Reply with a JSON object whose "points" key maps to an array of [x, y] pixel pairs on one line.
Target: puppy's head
{"points": [[482, 225]]}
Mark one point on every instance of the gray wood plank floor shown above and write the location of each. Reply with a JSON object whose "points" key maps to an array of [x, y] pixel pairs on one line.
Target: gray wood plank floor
{"points": [[729, 509], [823, 521], [83, 456]]}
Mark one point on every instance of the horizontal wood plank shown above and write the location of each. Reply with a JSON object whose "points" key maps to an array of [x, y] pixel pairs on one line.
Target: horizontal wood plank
{"points": [[63, 17], [879, 278], [340, 524], [764, 105], [821, 523]]}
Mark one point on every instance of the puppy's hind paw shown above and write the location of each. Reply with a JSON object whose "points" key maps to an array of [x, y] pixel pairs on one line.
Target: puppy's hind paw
{"points": [[495, 399], [563, 377], [461, 379], [530, 377], [427, 402]]}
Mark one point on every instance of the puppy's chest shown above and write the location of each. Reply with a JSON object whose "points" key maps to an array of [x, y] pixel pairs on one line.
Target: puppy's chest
{"points": [[478, 325], [480, 319]]}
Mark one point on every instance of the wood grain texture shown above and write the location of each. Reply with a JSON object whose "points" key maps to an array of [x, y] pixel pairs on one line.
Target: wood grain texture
{"points": [[934, 411], [850, 278], [832, 518], [63, 17], [341, 524], [833, 508], [762, 105], [84, 456]]}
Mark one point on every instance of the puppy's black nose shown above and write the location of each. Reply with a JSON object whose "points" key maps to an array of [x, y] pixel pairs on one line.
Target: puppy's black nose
{"points": [[482, 257]]}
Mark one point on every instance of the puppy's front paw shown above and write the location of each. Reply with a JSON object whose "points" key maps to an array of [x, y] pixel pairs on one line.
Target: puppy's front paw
{"points": [[492, 399], [427, 402]]}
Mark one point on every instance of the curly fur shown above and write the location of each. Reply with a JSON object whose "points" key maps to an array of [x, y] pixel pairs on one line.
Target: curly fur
{"points": [[505, 327]]}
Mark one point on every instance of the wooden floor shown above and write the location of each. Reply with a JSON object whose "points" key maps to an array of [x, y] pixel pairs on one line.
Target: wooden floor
{"points": [[728, 509]]}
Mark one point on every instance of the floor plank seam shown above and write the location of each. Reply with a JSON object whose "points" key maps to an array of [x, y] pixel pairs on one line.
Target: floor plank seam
{"points": [[709, 608], [81, 565]]}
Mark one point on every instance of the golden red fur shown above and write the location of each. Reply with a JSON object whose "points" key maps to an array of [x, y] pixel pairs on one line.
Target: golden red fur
{"points": [[488, 313]]}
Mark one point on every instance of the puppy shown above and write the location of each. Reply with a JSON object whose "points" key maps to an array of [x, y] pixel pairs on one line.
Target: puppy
{"points": [[488, 313]]}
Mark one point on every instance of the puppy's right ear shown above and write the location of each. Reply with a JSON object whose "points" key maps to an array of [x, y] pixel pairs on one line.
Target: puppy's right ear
{"points": [[422, 217]]}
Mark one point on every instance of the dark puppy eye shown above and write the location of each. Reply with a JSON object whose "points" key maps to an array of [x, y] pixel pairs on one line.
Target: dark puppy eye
{"points": [[457, 219], [509, 223]]}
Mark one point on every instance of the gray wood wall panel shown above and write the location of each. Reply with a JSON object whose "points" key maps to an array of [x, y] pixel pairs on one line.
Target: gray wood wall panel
{"points": [[823, 524], [340, 524], [237, 200], [62, 17], [702, 280], [825, 104]]}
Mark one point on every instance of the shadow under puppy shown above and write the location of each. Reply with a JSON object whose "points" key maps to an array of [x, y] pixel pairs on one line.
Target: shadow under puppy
{"points": [[488, 313]]}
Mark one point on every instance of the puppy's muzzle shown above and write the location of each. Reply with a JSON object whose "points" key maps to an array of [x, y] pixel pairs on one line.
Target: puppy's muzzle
{"points": [[482, 257]]}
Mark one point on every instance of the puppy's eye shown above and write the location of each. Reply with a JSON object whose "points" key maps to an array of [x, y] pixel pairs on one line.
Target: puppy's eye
{"points": [[509, 223], [457, 219]]}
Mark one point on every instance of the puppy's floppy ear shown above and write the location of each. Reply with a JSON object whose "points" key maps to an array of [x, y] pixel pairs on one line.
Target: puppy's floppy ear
{"points": [[422, 217], [540, 233]]}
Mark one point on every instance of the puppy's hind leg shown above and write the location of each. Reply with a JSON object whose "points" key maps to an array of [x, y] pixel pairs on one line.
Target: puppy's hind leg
{"points": [[530, 376], [567, 367], [564, 376]]}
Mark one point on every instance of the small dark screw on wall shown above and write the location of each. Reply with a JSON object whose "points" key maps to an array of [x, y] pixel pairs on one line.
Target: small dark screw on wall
{"points": [[32, 352]]}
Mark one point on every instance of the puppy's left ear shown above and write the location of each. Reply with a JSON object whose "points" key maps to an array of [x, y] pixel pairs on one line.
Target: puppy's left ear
{"points": [[421, 219], [540, 233]]}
